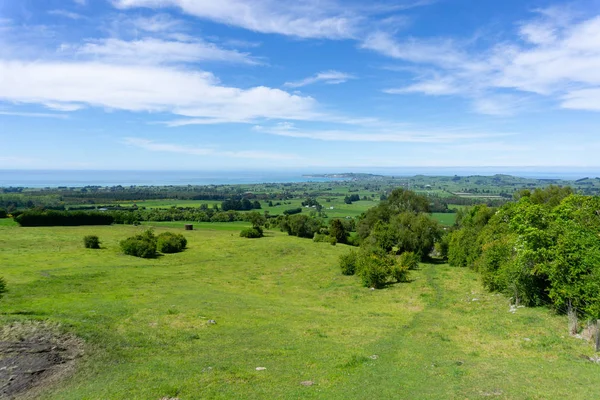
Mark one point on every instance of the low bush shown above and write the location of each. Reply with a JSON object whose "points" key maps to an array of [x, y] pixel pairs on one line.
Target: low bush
{"points": [[348, 262], [252, 233], [91, 242], [409, 260], [324, 238], [3, 213], [169, 242], [143, 245], [2, 287]]}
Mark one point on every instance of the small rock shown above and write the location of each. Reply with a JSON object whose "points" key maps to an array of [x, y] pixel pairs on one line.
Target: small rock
{"points": [[372, 288], [211, 322], [374, 357], [260, 368], [475, 299], [527, 339], [307, 383]]}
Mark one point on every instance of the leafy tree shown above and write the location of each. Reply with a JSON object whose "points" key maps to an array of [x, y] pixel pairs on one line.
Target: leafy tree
{"points": [[337, 230]]}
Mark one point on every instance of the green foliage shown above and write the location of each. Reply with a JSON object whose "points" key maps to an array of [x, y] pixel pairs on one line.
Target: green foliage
{"points": [[324, 238], [348, 262], [376, 268], [338, 231], [399, 201], [3, 213], [409, 260], [252, 233], [169, 242], [404, 232], [91, 242], [256, 219], [301, 225], [2, 287], [543, 248], [292, 211], [143, 245], [63, 218]]}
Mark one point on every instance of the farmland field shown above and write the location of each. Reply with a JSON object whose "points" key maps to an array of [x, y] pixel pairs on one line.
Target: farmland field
{"points": [[280, 303]]}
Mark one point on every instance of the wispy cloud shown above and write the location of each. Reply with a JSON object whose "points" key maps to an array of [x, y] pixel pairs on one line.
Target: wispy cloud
{"points": [[201, 151], [557, 57], [383, 134], [306, 19], [328, 77], [33, 114], [66, 14], [158, 51]]}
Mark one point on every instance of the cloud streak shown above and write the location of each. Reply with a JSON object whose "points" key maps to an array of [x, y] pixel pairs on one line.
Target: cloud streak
{"points": [[153, 146], [557, 57], [328, 77]]}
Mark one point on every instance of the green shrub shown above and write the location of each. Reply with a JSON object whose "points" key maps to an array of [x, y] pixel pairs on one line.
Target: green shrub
{"points": [[374, 269], [348, 262], [143, 245], [2, 287], [409, 260], [3, 213], [252, 233], [169, 242], [91, 242]]}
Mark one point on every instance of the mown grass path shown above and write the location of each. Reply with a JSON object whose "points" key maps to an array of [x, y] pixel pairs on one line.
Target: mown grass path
{"points": [[279, 303]]}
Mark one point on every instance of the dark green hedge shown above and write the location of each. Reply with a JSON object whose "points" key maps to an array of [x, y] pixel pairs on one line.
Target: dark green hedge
{"points": [[63, 218]]}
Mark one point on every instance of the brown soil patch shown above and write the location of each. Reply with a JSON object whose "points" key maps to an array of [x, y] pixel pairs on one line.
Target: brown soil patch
{"points": [[33, 356]]}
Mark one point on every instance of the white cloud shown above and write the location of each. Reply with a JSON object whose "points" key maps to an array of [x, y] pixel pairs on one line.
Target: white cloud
{"points": [[156, 23], [200, 151], [33, 115], [328, 77], [145, 88], [559, 57], [81, 2], [157, 51], [66, 14], [383, 134], [305, 19]]}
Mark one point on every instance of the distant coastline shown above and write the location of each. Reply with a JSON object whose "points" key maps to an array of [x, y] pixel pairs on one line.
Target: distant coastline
{"points": [[81, 178]]}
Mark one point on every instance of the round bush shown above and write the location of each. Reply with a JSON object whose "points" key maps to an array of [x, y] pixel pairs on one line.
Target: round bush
{"points": [[91, 242], [169, 242], [348, 263], [252, 233], [139, 248], [143, 245]]}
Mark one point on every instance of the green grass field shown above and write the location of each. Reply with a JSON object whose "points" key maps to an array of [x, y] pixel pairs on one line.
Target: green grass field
{"points": [[279, 303]]}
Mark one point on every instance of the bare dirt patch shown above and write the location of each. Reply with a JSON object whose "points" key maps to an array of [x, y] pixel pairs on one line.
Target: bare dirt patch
{"points": [[33, 356]]}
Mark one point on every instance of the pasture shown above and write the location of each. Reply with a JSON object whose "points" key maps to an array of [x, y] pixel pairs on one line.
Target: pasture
{"points": [[279, 303]]}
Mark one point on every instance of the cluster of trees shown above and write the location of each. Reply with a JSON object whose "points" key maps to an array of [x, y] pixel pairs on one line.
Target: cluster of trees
{"points": [[147, 244], [63, 218], [542, 249], [394, 236], [258, 221], [240, 205], [352, 198]]}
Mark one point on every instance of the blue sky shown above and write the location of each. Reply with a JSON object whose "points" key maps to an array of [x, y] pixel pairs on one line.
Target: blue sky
{"points": [[229, 84]]}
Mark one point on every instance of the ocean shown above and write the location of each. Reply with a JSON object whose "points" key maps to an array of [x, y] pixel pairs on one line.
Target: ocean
{"points": [[79, 178]]}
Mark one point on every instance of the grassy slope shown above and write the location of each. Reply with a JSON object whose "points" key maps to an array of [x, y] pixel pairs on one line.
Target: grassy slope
{"points": [[279, 303]]}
